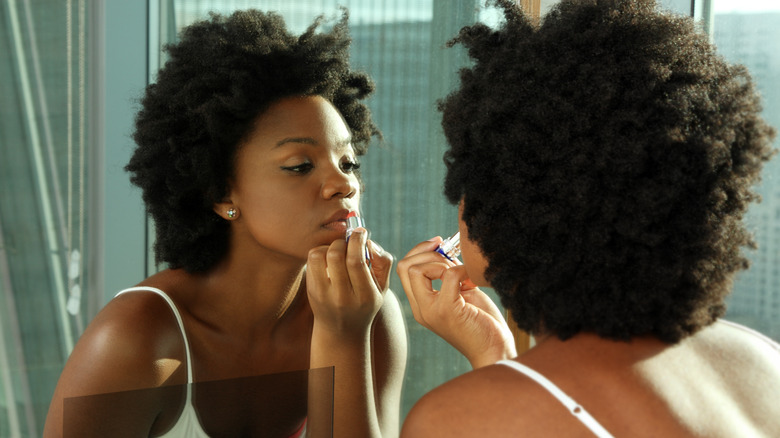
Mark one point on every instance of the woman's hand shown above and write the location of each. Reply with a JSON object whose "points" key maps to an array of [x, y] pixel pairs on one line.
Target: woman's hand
{"points": [[460, 313], [345, 293]]}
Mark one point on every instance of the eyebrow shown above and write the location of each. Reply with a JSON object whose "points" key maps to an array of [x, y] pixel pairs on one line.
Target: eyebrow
{"points": [[308, 140], [304, 140]]}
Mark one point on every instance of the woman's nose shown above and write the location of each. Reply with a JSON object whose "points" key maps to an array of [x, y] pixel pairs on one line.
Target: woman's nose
{"points": [[339, 184]]}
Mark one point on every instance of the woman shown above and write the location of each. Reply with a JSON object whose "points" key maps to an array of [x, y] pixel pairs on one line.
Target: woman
{"points": [[602, 162], [247, 156]]}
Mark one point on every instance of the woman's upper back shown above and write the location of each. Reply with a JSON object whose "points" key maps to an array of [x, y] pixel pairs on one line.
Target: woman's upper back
{"points": [[723, 381]]}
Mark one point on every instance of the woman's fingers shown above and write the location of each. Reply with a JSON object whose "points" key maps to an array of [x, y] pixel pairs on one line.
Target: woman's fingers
{"points": [[337, 271], [359, 275], [317, 268], [423, 253], [343, 293], [456, 281], [453, 280], [460, 313], [427, 246], [420, 254], [381, 265], [426, 299]]}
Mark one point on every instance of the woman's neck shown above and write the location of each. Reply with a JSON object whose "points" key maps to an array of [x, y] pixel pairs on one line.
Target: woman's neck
{"points": [[251, 296]]}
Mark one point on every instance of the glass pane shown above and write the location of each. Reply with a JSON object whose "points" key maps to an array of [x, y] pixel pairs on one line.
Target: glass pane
{"points": [[748, 32], [43, 202], [679, 6], [401, 45], [404, 202]]}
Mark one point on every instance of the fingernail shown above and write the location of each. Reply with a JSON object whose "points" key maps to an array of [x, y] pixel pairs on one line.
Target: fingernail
{"points": [[469, 284], [376, 247], [356, 231]]}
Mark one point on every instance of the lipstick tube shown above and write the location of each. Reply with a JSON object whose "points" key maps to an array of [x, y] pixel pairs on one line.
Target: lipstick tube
{"points": [[353, 221], [450, 247]]}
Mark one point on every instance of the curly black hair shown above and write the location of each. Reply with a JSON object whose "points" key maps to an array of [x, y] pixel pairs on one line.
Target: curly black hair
{"points": [[605, 158], [220, 76]]}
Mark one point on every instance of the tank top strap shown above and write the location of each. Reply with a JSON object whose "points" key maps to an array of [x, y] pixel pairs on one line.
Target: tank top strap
{"points": [[573, 407], [179, 321]]}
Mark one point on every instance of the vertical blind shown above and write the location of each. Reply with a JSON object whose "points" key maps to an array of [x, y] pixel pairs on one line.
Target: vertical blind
{"points": [[43, 183]]}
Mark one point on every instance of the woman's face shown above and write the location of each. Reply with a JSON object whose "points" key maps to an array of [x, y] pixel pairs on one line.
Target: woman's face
{"points": [[294, 179], [472, 256]]}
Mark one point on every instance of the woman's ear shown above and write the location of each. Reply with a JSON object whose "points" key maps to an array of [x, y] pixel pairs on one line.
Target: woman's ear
{"points": [[227, 210]]}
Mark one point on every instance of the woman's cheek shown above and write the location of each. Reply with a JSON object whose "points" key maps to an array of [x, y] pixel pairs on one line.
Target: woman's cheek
{"points": [[475, 262]]}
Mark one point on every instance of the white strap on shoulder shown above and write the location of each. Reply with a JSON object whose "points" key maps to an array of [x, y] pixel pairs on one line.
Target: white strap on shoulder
{"points": [[573, 407], [178, 320]]}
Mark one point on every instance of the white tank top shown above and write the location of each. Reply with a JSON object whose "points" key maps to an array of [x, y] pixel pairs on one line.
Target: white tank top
{"points": [[188, 425]]}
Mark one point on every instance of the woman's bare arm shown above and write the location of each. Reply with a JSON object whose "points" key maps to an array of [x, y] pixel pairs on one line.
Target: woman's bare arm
{"points": [[388, 357], [346, 295]]}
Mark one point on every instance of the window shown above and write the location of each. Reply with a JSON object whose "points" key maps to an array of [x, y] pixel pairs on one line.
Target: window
{"points": [[401, 45], [72, 229], [44, 205], [748, 32]]}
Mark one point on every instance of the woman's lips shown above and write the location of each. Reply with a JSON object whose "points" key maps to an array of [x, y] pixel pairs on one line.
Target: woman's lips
{"points": [[337, 221], [337, 225]]}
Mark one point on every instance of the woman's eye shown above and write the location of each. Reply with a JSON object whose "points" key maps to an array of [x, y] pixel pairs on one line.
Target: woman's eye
{"points": [[302, 168], [350, 166]]}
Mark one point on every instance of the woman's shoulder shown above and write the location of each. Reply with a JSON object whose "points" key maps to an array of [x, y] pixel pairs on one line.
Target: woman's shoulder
{"points": [[741, 353], [133, 342], [741, 336], [489, 401], [736, 349]]}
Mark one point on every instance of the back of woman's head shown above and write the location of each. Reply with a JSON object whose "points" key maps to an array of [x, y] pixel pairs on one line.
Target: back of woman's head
{"points": [[605, 159], [221, 74]]}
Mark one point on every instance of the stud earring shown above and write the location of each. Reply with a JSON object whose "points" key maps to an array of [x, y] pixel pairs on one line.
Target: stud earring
{"points": [[232, 213]]}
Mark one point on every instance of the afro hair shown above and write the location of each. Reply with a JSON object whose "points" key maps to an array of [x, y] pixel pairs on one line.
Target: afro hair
{"points": [[605, 157], [220, 76]]}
